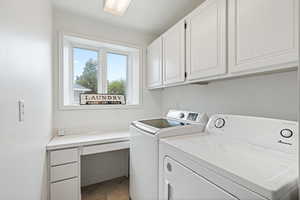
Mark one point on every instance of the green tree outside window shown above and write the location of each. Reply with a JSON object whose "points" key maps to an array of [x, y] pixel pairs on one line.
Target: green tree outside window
{"points": [[88, 79]]}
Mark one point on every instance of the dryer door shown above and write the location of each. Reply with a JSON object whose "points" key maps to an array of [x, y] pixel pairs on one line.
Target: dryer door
{"points": [[182, 183]]}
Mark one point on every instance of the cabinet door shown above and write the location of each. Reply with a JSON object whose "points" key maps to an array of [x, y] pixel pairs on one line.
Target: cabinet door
{"points": [[183, 183], [154, 67], [262, 35], [65, 190], [173, 54], [206, 40]]}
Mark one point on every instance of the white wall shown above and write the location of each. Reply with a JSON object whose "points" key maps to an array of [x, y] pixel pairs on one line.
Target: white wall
{"points": [[273, 95], [97, 168], [83, 121], [25, 65]]}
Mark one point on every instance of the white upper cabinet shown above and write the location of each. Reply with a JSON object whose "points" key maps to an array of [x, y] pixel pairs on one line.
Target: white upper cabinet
{"points": [[174, 54], [226, 39], [154, 67], [206, 40], [263, 35]]}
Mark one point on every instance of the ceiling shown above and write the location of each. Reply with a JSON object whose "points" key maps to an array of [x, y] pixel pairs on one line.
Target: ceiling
{"points": [[149, 16]]}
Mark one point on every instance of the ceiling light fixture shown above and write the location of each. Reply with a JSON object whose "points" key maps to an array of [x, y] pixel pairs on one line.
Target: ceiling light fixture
{"points": [[116, 7]]}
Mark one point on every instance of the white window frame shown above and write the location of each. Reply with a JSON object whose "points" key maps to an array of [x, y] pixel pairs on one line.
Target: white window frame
{"points": [[71, 65], [113, 51], [102, 70]]}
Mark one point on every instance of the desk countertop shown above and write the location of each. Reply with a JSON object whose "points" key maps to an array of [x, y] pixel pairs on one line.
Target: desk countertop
{"points": [[68, 141]]}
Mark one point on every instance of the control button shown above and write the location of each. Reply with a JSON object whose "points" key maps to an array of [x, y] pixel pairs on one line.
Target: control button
{"points": [[219, 123], [169, 167], [181, 115], [286, 133]]}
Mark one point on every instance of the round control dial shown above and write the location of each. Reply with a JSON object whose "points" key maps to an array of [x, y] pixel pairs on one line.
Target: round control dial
{"points": [[286, 133], [181, 115], [219, 123]]}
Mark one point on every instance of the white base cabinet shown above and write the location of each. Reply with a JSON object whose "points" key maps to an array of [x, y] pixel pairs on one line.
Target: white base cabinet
{"points": [[206, 40], [263, 35], [64, 174], [65, 190]]}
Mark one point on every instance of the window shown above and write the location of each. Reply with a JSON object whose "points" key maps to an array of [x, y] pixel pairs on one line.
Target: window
{"points": [[85, 74], [116, 73], [95, 67]]}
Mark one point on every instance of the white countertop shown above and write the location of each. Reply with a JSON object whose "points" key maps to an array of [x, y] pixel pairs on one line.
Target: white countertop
{"points": [[67, 141]]}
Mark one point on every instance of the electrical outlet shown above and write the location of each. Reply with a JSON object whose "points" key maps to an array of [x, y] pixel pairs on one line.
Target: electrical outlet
{"points": [[61, 132], [21, 110]]}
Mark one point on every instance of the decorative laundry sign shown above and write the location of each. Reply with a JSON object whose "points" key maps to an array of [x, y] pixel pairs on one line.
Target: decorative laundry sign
{"points": [[101, 99]]}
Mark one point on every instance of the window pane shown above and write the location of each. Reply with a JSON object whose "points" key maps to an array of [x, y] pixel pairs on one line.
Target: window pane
{"points": [[85, 75], [116, 73]]}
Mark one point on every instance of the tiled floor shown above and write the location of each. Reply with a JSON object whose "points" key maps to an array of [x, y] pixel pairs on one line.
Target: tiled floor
{"points": [[116, 189]]}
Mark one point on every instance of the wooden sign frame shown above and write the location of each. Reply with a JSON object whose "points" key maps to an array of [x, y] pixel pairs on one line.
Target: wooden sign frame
{"points": [[102, 99]]}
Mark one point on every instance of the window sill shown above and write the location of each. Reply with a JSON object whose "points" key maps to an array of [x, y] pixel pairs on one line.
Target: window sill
{"points": [[100, 107]]}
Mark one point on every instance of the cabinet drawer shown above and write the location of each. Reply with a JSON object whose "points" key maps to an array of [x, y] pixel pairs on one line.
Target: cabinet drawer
{"points": [[64, 172], [63, 156], [105, 148], [65, 190]]}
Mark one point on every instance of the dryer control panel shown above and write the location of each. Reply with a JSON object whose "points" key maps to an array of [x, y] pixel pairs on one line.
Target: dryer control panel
{"points": [[277, 134]]}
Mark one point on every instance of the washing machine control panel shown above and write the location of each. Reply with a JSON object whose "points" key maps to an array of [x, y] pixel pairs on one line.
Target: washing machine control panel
{"points": [[187, 116]]}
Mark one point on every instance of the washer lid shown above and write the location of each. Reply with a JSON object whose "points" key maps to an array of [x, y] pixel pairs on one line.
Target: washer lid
{"points": [[153, 126], [267, 172], [174, 123], [163, 123]]}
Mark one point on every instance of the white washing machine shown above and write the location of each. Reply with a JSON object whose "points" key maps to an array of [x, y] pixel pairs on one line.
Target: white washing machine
{"points": [[236, 157], [144, 143]]}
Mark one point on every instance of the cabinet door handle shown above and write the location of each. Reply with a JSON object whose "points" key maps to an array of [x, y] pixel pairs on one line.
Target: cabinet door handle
{"points": [[169, 190]]}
